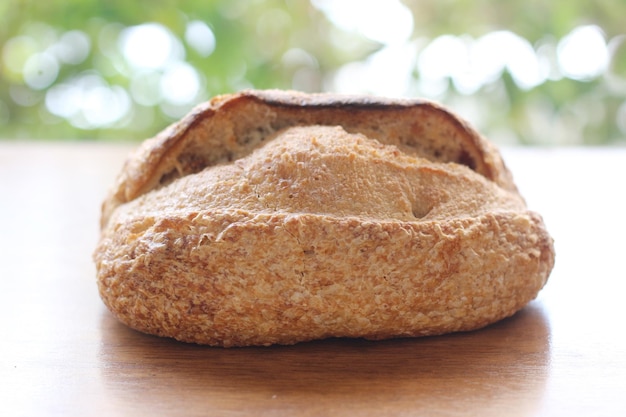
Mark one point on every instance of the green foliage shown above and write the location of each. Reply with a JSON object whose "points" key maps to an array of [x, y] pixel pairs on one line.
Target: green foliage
{"points": [[285, 44]]}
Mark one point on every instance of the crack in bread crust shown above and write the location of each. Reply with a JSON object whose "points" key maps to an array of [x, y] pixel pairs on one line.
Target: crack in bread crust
{"points": [[232, 126]]}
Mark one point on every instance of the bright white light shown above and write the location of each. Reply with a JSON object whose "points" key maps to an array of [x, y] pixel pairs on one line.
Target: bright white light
{"points": [[103, 106], [433, 89], [350, 79], [72, 48], [40, 70], [390, 70], [446, 57], [467, 75], [150, 45], [496, 51], [387, 72], [200, 37], [180, 84], [384, 21], [487, 53], [64, 100], [583, 53], [523, 63], [88, 102], [472, 64], [442, 57]]}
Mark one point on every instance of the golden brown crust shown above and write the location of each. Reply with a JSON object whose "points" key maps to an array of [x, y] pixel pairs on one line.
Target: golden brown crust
{"points": [[273, 217], [231, 126]]}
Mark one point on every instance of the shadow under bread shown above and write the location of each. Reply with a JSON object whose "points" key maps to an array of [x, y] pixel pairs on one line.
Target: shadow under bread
{"points": [[486, 370]]}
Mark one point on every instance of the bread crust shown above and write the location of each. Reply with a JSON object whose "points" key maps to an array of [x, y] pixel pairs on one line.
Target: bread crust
{"points": [[271, 217], [230, 126]]}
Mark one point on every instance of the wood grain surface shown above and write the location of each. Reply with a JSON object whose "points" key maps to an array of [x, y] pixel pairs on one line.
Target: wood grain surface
{"points": [[63, 354]]}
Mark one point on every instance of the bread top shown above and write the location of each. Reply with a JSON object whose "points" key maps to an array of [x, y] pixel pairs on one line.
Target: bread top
{"points": [[384, 159], [327, 171]]}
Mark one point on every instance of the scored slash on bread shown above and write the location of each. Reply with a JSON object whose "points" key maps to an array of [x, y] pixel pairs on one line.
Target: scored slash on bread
{"points": [[270, 217], [230, 127]]}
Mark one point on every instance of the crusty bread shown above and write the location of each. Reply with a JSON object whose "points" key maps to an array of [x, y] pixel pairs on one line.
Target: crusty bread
{"points": [[270, 217]]}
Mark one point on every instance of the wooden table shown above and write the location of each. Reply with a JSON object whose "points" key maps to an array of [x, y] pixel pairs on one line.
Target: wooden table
{"points": [[62, 353]]}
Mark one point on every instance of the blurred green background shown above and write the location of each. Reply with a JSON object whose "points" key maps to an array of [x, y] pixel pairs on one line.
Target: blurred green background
{"points": [[522, 71]]}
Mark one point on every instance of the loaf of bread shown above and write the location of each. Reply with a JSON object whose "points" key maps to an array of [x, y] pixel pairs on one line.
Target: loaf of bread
{"points": [[274, 217]]}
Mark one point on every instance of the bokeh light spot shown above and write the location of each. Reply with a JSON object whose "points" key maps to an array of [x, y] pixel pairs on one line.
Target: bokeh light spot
{"points": [[40, 70], [88, 102], [72, 48], [200, 37], [384, 21], [583, 53], [149, 45], [180, 84]]}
